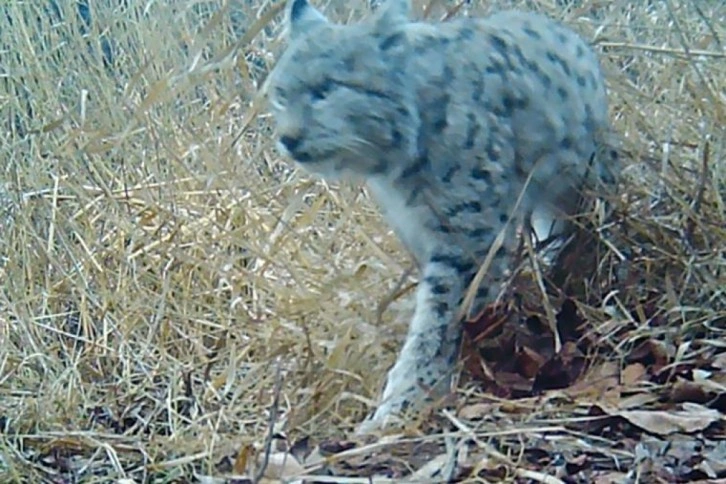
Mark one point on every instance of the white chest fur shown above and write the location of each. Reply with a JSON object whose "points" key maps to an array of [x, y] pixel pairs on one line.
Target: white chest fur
{"points": [[408, 222]]}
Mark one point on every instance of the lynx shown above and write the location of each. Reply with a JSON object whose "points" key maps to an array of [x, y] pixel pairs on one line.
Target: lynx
{"points": [[462, 131]]}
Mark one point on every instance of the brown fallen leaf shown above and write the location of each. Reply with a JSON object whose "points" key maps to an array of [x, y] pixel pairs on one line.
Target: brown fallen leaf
{"points": [[632, 374], [691, 418], [610, 478], [719, 361], [281, 466], [638, 400], [654, 354], [477, 411], [561, 370], [598, 381], [691, 391], [528, 362]]}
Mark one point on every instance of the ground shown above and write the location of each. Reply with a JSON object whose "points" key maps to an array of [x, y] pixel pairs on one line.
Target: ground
{"points": [[181, 304]]}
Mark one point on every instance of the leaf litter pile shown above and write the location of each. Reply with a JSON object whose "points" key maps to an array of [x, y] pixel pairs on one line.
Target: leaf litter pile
{"points": [[180, 304]]}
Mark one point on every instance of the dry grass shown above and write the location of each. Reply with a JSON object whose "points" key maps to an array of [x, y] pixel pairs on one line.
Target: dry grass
{"points": [[169, 281]]}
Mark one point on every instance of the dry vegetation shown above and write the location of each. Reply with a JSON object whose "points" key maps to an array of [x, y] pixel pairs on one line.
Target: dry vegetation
{"points": [[174, 294]]}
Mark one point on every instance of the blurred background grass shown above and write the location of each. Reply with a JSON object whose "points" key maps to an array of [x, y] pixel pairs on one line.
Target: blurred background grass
{"points": [[160, 263]]}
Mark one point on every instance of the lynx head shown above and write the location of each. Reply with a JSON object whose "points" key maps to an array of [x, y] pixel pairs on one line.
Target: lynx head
{"points": [[339, 101]]}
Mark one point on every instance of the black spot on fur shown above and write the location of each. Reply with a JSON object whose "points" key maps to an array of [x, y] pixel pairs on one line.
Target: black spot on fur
{"points": [[589, 119], [520, 57], [508, 103], [472, 130], [436, 112], [392, 41], [565, 67], [464, 207], [438, 287], [449, 174], [414, 169], [495, 68], [533, 34], [504, 50], [556, 59], [479, 232], [546, 80], [481, 174], [465, 34], [562, 92], [443, 228], [499, 43], [459, 263], [413, 196], [302, 157], [379, 168], [441, 309], [593, 80], [492, 151], [321, 90], [478, 88], [581, 81], [291, 143], [397, 138], [482, 292], [448, 73]]}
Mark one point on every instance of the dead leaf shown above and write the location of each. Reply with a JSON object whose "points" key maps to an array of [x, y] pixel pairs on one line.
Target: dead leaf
{"points": [[719, 361], [692, 418], [598, 381], [560, 371], [632, 374], [569, 322], [610, 478], [691, 391], [639, 400], [477, 411], [528, 362], [281, 466], [653, 354]]}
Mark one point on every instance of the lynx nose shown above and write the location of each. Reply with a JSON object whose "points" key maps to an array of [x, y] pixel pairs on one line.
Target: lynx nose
{"points": [[290, 143]]}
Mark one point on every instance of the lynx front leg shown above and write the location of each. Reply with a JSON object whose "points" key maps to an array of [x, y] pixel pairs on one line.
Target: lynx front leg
{"points": [[426, 362]]}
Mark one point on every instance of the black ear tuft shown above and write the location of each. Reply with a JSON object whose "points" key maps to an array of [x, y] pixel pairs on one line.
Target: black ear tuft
{"points": [[302, 17], [297, 9]]}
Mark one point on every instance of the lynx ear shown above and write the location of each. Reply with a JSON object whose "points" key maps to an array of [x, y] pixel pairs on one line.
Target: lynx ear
{"points": [[302, 17], [393, 12]]}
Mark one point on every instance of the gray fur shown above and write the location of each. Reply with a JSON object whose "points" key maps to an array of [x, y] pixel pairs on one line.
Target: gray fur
{"points": [[445, 123]]}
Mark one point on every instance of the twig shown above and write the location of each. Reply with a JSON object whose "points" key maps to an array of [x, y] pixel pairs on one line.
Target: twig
{"points": [[701, 190], [398, 291], [453, 10], [271, 424], [663, 50]]}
